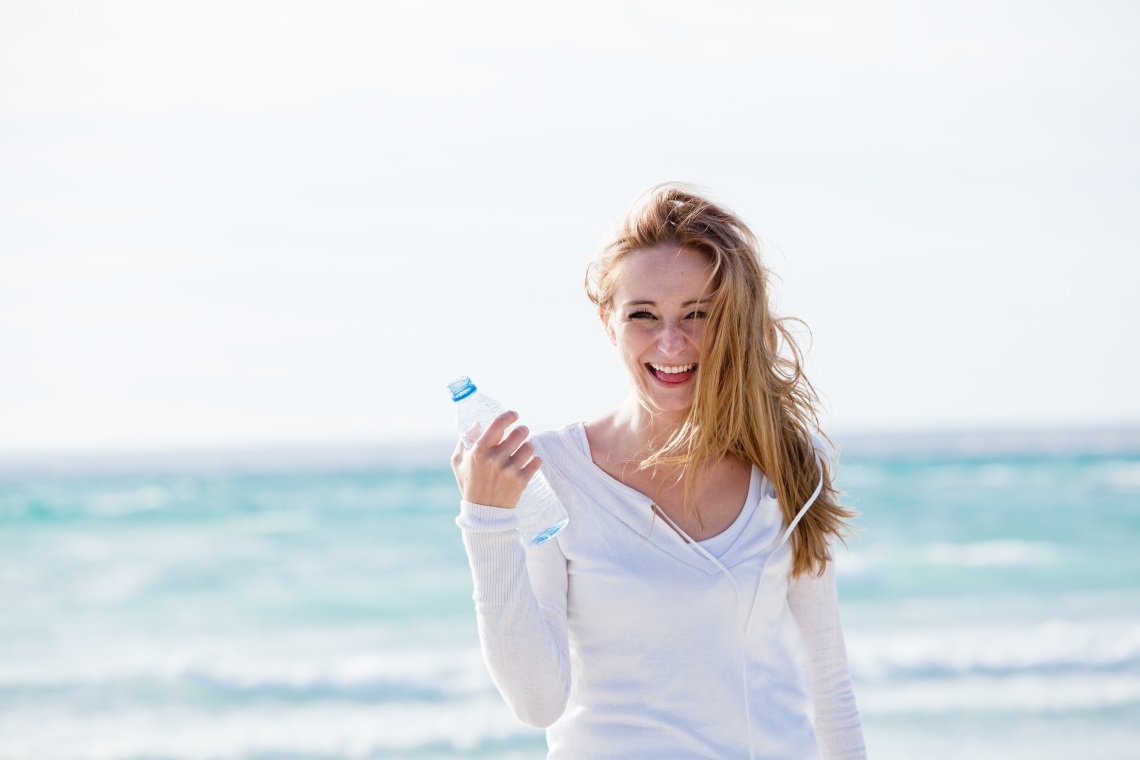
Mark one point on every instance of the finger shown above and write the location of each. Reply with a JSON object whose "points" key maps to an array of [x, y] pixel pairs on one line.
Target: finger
{"points": [[524, 452], [494, 432], [531, 468], [514, 440]]}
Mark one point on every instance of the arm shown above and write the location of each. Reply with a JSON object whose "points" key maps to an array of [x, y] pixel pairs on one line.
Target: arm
{"points": [[520, 593], [520, 605], [815, 606]]}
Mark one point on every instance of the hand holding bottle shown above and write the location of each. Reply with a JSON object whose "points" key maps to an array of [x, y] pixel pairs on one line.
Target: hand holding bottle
{"points": [[495, 469]]}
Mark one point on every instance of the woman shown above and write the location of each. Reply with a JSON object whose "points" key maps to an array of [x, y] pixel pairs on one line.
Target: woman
{"points": [[688, 610]]}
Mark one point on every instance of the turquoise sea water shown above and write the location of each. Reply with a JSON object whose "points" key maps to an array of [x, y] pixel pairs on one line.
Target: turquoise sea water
{"points": [[319, 607]]}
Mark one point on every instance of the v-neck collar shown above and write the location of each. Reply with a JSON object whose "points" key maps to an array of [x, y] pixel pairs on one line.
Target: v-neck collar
{"points": [[636, 509]]}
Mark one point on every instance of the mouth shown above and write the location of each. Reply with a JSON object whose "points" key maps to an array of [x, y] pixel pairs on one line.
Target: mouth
{"points": [[672, 374]]}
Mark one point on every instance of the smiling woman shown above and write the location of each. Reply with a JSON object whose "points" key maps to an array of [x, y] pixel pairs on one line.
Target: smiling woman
{"points": [[657, 323], [689, 607]]}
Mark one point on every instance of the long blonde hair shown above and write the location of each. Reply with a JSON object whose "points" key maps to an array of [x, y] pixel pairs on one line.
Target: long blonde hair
{"points": [[751, 399]]}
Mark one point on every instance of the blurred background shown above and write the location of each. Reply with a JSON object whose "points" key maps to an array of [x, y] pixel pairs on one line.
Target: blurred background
{"points": [[245, 245]]}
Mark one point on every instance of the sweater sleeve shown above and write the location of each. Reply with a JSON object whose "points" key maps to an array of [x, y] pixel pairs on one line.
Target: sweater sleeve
{"points": [[520, 607], [815, 605]]}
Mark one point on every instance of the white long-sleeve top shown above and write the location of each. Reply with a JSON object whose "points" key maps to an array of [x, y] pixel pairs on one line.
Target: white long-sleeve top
{"points": [[626, 640]]}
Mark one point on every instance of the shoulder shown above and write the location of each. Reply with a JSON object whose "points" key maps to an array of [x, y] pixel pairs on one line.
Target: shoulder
{"points": [[555, 445], [563, 460], [544, 439]]}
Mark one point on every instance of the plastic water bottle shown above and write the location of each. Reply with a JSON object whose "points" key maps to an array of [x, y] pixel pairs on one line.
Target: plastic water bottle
{"points": [[540, 513]]}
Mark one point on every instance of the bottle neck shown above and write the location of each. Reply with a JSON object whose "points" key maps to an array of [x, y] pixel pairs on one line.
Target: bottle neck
{"points": [[461, 388]]}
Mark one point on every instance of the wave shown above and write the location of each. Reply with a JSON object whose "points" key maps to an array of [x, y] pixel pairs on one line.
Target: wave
{"points": [[217, 690], [469, 728], [1123, 475], [334, 666], [998, 553], [865, 565], [1049, 649], [997, 695]]}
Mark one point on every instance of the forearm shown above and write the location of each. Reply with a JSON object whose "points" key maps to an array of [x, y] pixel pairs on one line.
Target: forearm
{"points": [[815, 605], [522, 629]]}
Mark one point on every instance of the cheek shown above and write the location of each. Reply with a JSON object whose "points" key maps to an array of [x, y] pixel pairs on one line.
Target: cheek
{"points": [[634, 338]]}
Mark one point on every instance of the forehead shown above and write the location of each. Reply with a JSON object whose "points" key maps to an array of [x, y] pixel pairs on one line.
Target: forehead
{"points": [[663, 273]]}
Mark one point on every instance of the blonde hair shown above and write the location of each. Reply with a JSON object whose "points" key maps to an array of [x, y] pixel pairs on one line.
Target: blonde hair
{"points": [[751, 398]]}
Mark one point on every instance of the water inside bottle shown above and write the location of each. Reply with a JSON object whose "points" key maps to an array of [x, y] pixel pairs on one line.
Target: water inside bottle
{"points": [[549, 533]]}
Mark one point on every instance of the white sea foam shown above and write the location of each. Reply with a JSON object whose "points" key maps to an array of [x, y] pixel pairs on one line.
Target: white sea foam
{"points": [[943, 651], [1001, 735], [1123, 475], [1003, 694], [118, 503], [1000, 553], [993, 475], [348, 731], [346, 664]]}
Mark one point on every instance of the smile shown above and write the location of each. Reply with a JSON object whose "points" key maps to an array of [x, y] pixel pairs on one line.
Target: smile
{"points": [[672, 374]]}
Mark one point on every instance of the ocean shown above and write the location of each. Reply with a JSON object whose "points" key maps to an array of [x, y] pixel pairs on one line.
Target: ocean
{"points": [[317, 604]]}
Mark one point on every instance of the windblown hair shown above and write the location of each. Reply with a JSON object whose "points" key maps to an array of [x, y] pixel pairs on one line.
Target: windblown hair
{"points": [[751, 399]]}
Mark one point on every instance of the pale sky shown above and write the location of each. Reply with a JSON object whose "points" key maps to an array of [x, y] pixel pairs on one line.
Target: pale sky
{"points": [[247, 223]]}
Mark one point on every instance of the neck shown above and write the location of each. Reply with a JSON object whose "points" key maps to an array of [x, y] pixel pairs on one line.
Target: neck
{"points": [[644, 430]]}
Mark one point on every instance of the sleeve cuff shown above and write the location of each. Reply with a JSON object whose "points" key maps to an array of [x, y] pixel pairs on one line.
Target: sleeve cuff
{"points": [[479, 518]]}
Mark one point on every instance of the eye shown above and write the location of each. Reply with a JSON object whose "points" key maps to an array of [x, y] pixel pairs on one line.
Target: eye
{"points": [[641, 314], [696, 315]]}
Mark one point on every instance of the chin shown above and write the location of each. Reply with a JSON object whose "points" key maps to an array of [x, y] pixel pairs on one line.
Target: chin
{"points": [[664, 407]]}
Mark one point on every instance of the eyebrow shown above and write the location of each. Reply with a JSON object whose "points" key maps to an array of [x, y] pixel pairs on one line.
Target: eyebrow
{"points": [[690, 302]]}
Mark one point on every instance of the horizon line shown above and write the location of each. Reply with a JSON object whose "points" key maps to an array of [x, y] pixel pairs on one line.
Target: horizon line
{"points": [[419, 452]]}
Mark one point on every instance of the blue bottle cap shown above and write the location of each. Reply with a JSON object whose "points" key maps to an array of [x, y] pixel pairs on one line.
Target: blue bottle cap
{"points": [[461, 388]]}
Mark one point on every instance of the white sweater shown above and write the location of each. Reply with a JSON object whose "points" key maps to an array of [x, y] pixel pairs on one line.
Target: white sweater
{"points": [[628, 641]]}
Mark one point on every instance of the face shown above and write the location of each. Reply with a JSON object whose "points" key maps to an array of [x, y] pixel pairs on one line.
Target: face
{"points": [[657, 322]]}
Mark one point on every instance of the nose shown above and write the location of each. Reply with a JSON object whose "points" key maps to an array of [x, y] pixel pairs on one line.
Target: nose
{"points": [[671, 340]]}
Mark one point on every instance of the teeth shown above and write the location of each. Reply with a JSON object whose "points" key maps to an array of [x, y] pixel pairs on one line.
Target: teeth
{"points": [[672, 370]]}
